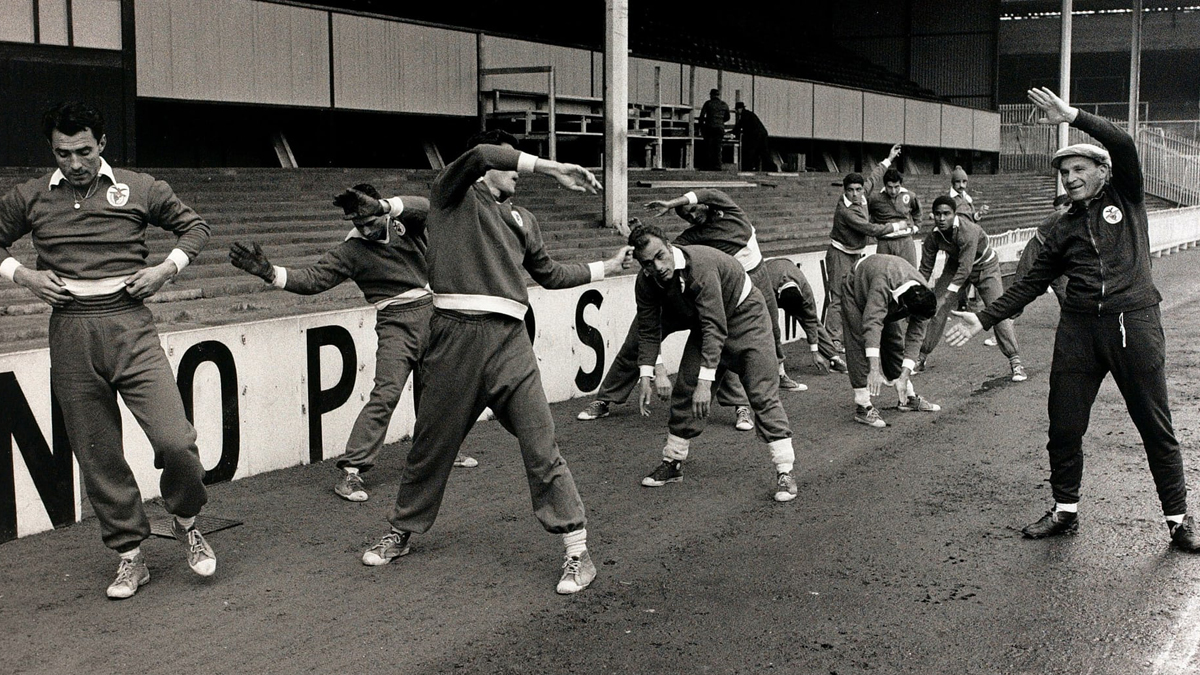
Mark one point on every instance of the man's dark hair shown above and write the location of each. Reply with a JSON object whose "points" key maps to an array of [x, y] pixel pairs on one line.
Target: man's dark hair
{"points": [[852, 178], [920, 301], [71, 118], [1062, 200], [947, 200], [639, 236], [492, 137], [368, 189], [714, 92], [892, 176]]}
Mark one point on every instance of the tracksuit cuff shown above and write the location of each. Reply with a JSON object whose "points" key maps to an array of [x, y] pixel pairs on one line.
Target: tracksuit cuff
{"points": [[887, 162], [872, 352], [814, 347], [908, 363], [709, 374], [526, 162], [9, 267], [646, 371], [691, 198], [280, 276], [597, 270], [952, 288], [180, 259]]}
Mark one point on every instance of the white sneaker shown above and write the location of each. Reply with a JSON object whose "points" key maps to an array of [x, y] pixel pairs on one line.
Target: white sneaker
{"points": [[991, 342], [745, 421], [466, 462], [577, 573], [130, 576]]}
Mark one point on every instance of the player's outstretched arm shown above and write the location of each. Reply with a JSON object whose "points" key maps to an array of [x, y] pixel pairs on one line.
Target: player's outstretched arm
{"points": [[959, 333], [250, 258], [571, 176]]}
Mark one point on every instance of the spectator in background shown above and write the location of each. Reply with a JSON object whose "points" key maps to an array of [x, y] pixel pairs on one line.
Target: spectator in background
{"points": [[713, 116], [755, 151], [964, 204]]}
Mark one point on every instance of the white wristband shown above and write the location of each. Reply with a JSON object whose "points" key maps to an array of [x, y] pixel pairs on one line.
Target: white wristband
{"points": [[180, 259], [908, 363], [9, 267], [691, 198], [709, 374], [646, 371], [597, 270], [280, 276]]}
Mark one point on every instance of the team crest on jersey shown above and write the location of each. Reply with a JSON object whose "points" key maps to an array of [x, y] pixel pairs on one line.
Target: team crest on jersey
{"points": [[517, 217], [118, 194], [904, 198], [1113, 215]]}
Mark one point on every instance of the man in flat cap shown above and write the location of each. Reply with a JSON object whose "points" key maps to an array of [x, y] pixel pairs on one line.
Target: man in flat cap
{"points": [[1110, 320]]}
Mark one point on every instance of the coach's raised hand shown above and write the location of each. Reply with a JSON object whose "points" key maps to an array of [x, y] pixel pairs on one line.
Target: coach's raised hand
{"points": [[1054, 109], [251, 259]]}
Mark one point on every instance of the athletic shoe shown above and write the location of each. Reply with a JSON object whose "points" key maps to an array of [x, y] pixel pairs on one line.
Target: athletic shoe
{"points": [[577, 573], [920, 367], [594, 411], [1183, 536], [350, 487], [869, 416], [991, 342], [393, 545], [200, 555], [837, 347], [466, 462], [838, 365], [1053, 523], [745, 421], [130, 576], [785, 487], [667, 471], [1018, 374], [917, 404], [788, 384]]}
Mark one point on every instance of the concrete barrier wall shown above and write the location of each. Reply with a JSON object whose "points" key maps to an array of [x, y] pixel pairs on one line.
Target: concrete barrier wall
{"points": [[267, 395]]}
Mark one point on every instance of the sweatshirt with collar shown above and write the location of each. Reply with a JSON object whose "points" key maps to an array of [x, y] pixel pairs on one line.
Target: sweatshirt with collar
{"points": [[873, 286], [966, 245], [478, 245], [731, 233], [1102, 245], [784, 275]]}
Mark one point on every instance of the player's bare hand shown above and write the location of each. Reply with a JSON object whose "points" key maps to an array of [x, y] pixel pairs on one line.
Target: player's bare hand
{"points": [[657, 207], [357, 204], [645, 393], [571, 176], [875, 380], [45, 284], [621, 260], [1054, 109], [959, 333], [820, 363], [901, 384], [662, 383], [984, 209], [894, 152], [146, 281], [702, 398], [251, 259]]}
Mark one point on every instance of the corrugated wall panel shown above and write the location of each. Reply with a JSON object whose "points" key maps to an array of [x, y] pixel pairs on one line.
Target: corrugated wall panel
{"points": [[784, 106], [883, 119], [837, 113], [641, 81], [399, 67], [987, 130], [922, 123], [958, 127], [971, 74], [238, 51], [572, 67], [706, 79], [731, 84]]}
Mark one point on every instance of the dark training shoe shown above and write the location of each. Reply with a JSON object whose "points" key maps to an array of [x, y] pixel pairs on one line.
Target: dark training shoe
{"points": [[1183, 536], [1052, 524], [667, 471]]}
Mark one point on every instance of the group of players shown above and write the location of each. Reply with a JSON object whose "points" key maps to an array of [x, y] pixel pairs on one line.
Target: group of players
{"points": [[445, 273]]}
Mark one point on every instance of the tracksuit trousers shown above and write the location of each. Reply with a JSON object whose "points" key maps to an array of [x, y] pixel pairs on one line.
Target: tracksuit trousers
{"points": [[1132, 347], [838, 264], [900, 246], [748, 354], [891, 347], [101, 347], [988, 284], [401, 332], [472, 362]]}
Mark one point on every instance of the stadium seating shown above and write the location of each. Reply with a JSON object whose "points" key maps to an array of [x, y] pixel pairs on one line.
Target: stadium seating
{"points": [[290, 214]]}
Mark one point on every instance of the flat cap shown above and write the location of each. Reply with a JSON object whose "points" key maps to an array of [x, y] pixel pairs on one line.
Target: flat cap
{"points": [[1092, 152]]}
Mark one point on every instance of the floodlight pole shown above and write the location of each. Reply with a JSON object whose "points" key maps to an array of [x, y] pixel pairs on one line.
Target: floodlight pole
{"points": [[616, 113], [1135, 68], [1064, 75]]}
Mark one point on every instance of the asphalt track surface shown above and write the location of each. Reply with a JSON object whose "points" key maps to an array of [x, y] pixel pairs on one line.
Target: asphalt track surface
{"points": [[902, 553]]}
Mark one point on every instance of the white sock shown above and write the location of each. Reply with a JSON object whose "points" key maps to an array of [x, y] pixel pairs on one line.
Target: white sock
{"points": [[130, 555], [1069, 508], [910, 391], [1176, 519], [781, 370], [350, 469], [187, 523], [862, 397], [676, 448], [782, 454], [576, 542]]}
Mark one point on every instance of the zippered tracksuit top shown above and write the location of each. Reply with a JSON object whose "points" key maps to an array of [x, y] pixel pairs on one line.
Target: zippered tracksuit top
{"points": [[479, 354], [1110, 322], [970, 259], [1033, 247], [729, 332], [391, 275], [872, 318], [104, 341]]}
